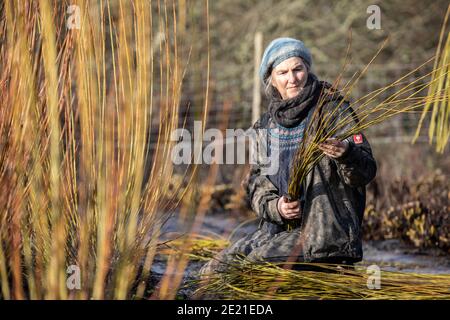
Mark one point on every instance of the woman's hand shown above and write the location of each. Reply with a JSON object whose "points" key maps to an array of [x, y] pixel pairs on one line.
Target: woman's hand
{"points": [[288, 210], [334, 148]]}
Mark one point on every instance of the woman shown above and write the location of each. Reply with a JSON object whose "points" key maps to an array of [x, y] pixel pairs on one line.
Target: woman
{"points": [[332, 201]]}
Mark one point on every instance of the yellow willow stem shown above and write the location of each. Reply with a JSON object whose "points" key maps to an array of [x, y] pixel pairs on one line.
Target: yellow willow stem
{"points": [[49, 56], [105, 210], [3, 272], [439, 124]]}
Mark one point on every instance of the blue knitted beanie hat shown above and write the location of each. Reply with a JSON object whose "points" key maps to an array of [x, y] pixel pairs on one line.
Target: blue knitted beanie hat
{"points": [[279, 50]]}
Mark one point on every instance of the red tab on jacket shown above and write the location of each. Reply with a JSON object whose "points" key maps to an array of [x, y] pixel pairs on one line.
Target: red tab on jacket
{"points": [[357, 138]]}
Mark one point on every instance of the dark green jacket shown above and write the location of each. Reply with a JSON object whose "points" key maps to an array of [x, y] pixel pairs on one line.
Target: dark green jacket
{"points": [[334, 204]]}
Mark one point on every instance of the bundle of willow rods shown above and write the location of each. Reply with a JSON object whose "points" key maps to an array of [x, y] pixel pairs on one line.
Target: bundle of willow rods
{"points": [[249, 280], [369, 112]]}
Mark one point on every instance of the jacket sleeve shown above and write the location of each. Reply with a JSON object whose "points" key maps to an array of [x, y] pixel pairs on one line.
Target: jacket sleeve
{"points": [[262, 195], [357, 167]]}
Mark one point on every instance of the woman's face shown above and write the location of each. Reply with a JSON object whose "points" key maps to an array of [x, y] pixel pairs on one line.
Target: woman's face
{"points": [[289, 77]]}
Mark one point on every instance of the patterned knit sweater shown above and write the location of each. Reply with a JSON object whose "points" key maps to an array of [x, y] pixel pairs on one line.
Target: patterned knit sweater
{"points": [[285, 142]]}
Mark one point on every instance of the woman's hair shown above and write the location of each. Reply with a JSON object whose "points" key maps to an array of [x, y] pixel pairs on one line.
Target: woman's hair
{"points": [[269, 89]]}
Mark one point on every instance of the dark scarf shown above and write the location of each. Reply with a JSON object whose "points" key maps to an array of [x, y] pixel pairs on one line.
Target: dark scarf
{"points": [[290, 112]]}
